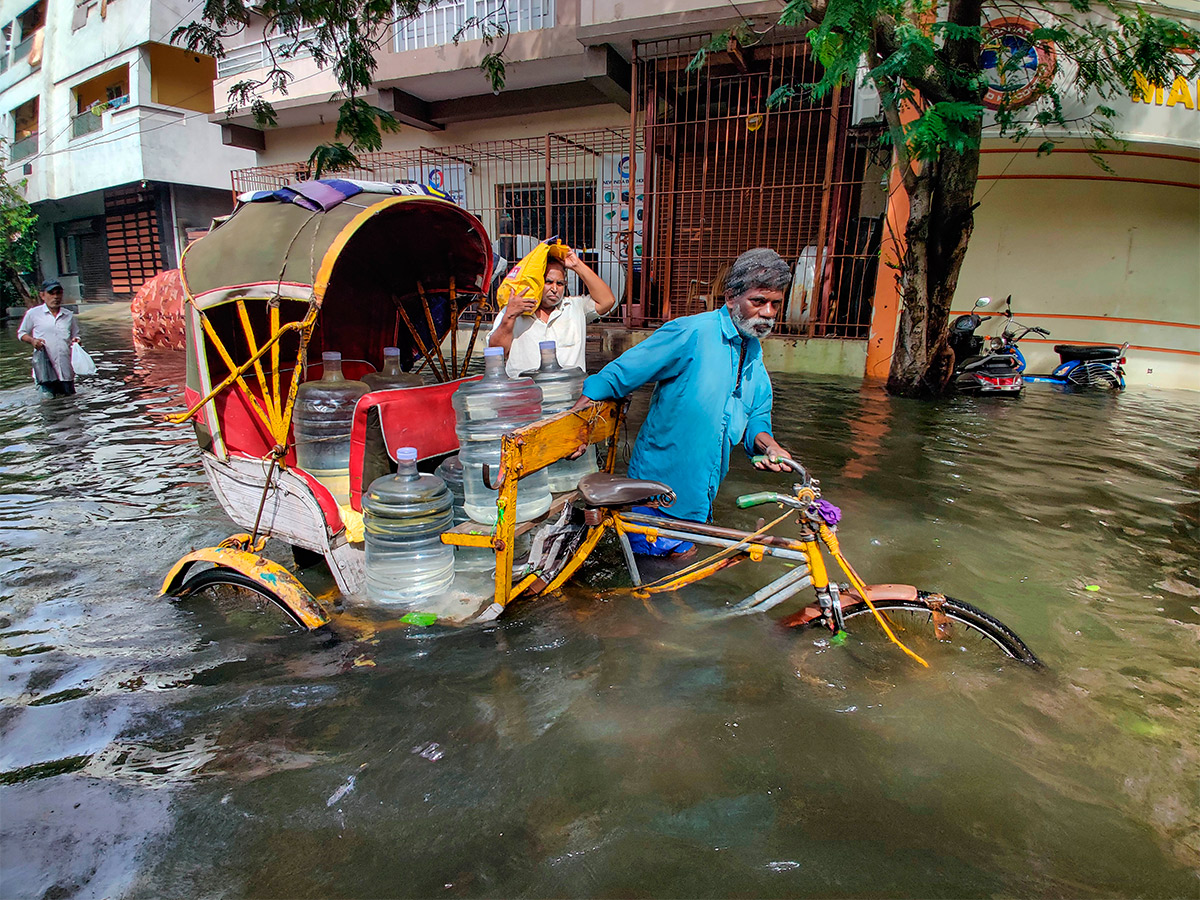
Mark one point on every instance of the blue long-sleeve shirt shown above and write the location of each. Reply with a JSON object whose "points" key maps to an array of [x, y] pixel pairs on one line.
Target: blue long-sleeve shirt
{"points": [[698, 410]]}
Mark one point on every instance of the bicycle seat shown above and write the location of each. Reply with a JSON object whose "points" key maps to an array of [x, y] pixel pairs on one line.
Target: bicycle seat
{"points": [[602, 489], [1083, 353]]}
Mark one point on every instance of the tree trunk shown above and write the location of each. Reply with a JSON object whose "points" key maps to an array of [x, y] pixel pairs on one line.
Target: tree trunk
{"points": [[28, 297], [940, 222]]}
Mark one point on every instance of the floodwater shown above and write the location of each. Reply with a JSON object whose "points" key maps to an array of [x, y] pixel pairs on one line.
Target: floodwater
{"points": [[593, 744]]}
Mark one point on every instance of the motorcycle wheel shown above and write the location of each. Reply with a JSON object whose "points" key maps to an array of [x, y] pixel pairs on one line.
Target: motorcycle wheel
{"points": [[1094, 375]]}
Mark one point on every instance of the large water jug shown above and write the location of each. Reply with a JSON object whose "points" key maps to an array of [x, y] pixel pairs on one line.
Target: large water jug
{"points": [[560, 389], [391, 376], [466, 559], [486, 410], [321, 423], [404, 516]]}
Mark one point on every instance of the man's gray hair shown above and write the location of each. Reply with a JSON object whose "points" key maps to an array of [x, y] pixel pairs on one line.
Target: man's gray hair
{"points": [[761, 267]]}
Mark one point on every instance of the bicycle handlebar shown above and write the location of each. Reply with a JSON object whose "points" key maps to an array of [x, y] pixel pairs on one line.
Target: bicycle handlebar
{"points": [[747, 500], [783, 461]]}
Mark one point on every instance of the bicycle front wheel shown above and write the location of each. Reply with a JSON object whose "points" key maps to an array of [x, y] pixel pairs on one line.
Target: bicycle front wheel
{"points": [[939, 618]]}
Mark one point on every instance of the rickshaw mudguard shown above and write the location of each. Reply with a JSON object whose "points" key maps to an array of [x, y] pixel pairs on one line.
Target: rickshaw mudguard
{"points": [[273, 579]]}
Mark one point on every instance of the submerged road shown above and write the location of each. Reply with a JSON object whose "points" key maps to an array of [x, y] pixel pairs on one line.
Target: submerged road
{"points": [[593, 745]]}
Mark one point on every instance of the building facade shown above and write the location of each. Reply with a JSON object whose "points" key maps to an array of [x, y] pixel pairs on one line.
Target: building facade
{"points": [[664, 172], [107, 126]]}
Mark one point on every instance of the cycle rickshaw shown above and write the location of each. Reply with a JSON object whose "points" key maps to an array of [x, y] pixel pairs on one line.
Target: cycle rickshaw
{"points": [[301, 271]]}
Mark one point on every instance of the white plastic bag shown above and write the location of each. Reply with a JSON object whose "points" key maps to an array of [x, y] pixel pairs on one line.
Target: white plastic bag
{"points": [[81, 362]]}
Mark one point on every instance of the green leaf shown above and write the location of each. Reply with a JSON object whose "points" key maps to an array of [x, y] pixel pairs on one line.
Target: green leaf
{"points": [[780, 96]]}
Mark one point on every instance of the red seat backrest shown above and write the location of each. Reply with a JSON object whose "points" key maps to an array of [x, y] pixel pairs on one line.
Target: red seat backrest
{"points": [[421, 417]]}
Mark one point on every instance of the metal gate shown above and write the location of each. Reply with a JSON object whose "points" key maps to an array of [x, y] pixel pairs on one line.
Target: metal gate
{"points": [[724, 173]]}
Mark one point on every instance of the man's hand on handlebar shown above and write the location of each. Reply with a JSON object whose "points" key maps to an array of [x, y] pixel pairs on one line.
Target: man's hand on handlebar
{"points": [[772, 452]]}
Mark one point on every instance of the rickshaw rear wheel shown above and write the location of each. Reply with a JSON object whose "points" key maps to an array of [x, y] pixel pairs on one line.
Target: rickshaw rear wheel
{"points": [[220, 576], [307, 559]]}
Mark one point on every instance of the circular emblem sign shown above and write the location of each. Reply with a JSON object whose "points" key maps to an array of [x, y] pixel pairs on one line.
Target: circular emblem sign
{"points": [[1016, 67]]}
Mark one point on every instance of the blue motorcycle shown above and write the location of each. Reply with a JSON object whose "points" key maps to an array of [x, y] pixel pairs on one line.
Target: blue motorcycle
{"points": [[1081, 366]]}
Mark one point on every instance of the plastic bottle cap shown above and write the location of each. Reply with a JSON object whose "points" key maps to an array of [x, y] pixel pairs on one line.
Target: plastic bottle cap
{"points": [[546, 345], [406, 454], [391, 351], [331, 355], [494, 351]]}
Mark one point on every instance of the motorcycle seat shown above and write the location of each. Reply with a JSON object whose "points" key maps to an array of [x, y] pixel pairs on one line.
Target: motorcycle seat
{"points": [[1084, 353], [1002, 363], [602, 489]]}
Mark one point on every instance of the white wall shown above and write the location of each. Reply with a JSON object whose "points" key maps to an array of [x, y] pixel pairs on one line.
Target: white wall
{"points": [[139, 141], [1083, 248]]}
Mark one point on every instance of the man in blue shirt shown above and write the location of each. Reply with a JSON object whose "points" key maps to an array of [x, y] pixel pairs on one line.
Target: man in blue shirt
{"points": [[712, 392]]}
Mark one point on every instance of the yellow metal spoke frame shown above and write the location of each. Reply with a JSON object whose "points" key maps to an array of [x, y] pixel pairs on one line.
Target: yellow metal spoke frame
{"points": [[523, 452]]}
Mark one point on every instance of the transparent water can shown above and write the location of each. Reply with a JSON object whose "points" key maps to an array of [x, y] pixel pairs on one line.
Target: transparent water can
{"points": [[391, 377], [560, 389], [404, 516], [487, 410], [321, 423]]}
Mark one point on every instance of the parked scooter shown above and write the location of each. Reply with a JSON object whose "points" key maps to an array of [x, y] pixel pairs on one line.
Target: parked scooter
{"points": [[1080, 365], [987, 366]]}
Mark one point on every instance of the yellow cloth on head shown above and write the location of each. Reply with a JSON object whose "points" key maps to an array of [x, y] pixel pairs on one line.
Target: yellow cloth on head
{"points": [[529, 274]]}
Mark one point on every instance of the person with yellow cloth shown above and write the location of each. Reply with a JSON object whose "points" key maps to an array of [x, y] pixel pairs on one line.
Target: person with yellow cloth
{"points": [[554, 317]]}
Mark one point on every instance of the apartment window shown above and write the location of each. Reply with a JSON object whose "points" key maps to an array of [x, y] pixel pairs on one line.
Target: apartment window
{"points": [[93, 97], [572, 211], [25, 130], [441, 23], [30, 23]]}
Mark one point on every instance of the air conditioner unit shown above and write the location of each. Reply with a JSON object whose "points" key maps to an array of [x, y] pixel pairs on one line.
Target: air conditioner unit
{"points": [[866, 107]]}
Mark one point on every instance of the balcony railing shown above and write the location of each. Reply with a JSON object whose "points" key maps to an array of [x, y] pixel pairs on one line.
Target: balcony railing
{"points": [[25, 46], [440, 24], [86, 123], [26, 146], [258, 55], [92, 120]]}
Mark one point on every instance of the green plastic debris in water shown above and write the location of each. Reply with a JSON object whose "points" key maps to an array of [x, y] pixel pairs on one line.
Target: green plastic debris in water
{"points": [[838, 639], [1091, 587], [419, 618]]}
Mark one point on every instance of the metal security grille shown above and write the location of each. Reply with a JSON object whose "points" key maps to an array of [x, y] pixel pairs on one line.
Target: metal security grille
{"points": [[709, 172], [725, 173], [577, 182], [134, 241]]}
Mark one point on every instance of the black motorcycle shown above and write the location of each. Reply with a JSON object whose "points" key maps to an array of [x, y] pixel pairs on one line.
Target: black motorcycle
{"points": [[987, 366]]}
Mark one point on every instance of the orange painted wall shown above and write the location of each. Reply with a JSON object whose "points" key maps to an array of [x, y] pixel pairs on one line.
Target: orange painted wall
{"points": [[182, 79]]}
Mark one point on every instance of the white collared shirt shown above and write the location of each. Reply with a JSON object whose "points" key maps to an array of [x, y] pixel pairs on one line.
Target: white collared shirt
{"points": [[567, 327], [57, 331]]}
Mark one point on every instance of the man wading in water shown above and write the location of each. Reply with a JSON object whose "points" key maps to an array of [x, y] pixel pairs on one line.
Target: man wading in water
{"points": [[712, 392], [51, 330]]}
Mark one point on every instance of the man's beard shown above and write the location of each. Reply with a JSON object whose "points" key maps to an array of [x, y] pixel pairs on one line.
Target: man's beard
{"points": [[751, 326]]}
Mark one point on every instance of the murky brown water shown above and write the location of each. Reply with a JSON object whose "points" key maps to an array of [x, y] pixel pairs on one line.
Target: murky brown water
{"points": [[591, 745]]}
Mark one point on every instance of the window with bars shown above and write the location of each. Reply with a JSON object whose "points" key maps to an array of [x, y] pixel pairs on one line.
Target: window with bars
{"points": [[522, 210]]}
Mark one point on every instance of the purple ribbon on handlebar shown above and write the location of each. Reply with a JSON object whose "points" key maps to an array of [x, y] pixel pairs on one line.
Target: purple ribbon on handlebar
{"points": [[830, 513]]}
